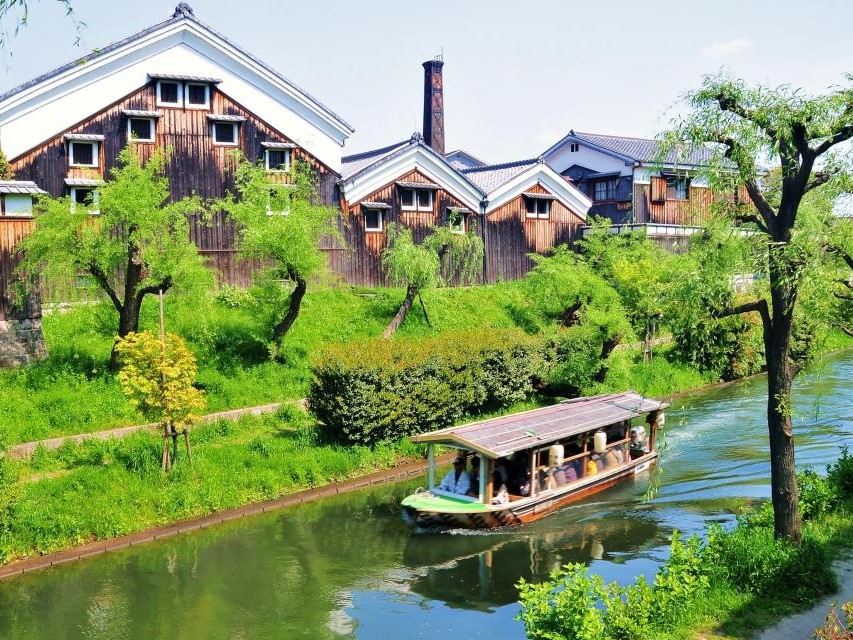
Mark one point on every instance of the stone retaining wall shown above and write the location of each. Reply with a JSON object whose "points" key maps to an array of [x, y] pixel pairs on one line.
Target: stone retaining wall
{"points": [[21, 342]]}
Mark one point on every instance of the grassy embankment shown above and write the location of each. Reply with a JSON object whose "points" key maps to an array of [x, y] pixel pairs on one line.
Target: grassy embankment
{"points": [[99, 490]]}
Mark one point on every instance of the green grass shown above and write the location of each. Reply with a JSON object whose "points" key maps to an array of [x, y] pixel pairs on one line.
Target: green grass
{"points": [[72, 391], [102, 489]]}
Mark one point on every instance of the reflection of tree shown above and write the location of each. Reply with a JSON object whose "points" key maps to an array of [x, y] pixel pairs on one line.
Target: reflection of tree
{"points": [[474, 570]]}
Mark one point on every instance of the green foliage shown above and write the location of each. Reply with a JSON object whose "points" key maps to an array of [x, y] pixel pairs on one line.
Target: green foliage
{"points": [[159, 379], [407, 264], [6, 172], [840, 475], [380, 391], [135, 220], [817, 495], [834, 628], [576, 606]]}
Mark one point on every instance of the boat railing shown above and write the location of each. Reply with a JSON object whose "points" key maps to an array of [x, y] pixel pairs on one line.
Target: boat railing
{"points": [[579, 466]]}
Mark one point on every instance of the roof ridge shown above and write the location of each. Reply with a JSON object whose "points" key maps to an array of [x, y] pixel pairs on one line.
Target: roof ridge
{"points": [[502, 165], [609, 135], [370, 152]]}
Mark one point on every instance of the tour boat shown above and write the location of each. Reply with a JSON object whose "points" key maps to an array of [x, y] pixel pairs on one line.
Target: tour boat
{"points": [[534, 462]]}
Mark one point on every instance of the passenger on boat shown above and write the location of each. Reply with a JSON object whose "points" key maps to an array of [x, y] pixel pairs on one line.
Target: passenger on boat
{"points": [[456, 480], [474, 477]]}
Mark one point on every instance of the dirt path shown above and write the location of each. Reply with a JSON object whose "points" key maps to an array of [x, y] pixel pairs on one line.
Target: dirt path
{"points": [[802, 626]]}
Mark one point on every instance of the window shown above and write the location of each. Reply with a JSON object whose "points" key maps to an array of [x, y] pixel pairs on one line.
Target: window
{"points": [[373, 219], [278, 159], [416, 199], [538, 208], [169, 94], [574, 147], [85, 197], [83, 154], [677, 188], [140, 129], [15, 204], [604, 190], [456, 220], [225, 133], [198, 95]]}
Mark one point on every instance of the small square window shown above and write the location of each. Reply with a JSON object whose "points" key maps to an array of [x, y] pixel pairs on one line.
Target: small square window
{"points": [[677, 188], [574, 147], [278, 160], [169, 94], [424, 199], [604, 190], [140, 129], [225, 133], [373, 219], [83, 154], [538, 208], [198, 95], [456, 220], [85, 197], [407, 199]]}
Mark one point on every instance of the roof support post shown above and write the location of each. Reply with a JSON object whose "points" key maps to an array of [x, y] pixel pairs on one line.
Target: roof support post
{"points": [[431, 465]]}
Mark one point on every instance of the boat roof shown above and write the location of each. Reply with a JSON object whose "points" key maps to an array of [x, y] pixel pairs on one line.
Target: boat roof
{"points": [[498, 437]]}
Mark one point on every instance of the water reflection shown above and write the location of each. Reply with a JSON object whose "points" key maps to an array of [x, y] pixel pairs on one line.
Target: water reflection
{"points": [[348, 567]]}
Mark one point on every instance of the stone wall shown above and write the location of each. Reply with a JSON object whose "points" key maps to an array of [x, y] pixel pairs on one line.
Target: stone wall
{"points": [[21, 337]]}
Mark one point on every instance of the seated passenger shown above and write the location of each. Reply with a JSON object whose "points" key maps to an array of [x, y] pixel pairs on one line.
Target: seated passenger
{"points": [[474, 477], [456, 480]]}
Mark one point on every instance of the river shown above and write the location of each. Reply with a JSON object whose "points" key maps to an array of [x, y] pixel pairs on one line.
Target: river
{"points": [[349, 567]]}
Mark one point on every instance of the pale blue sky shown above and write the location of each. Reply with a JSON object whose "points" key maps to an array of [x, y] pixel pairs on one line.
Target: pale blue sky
{"points": [[518, 75]]}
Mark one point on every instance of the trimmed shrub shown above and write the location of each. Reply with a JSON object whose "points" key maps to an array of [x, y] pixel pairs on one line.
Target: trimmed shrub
{"points": [[380, 391]]}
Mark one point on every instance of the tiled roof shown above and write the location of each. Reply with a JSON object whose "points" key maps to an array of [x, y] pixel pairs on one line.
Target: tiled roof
{"points": [[643, 149], [490, 177], [350, 165], [19, 186]]}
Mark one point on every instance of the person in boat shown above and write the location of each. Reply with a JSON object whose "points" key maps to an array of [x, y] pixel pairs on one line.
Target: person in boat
{"points": [[457, 480], [474, 477]]}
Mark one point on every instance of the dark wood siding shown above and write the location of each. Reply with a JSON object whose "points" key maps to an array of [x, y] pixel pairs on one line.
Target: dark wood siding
{"points": [[195, 165], [12, 230], [692, 211], [511, 235], [359, 262]]}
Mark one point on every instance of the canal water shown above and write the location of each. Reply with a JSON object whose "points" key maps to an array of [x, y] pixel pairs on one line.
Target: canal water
{"points": [[349, 567]]}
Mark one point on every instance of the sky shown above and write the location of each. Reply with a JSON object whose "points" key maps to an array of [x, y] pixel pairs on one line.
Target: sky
{"points": [[517, 75]]}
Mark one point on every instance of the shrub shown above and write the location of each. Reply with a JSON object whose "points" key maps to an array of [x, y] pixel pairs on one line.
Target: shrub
{"points": [[380, 391], [834, 628], [817, 494], [840, 474]]}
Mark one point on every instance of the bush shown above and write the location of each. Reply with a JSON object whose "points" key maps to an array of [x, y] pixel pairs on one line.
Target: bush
{"points": [[817, 494], [380, 391], [840, 475]]}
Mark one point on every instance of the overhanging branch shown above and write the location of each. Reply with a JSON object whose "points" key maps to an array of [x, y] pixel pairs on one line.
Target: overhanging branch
{"points": [[759, 306], [101, 278], [819, 178]]}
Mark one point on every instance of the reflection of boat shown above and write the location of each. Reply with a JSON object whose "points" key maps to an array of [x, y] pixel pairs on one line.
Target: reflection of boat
{"points": [[526, 454], [479, 570]]}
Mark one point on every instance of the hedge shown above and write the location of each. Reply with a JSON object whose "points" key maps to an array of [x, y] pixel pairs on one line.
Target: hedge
{"points": [[380, 391]]}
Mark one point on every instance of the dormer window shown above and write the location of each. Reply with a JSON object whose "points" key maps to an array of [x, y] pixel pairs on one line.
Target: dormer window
{"points": [[278, 156], [225, 129], [416, 196], [83, 149], [84, 193], [170, 94]]}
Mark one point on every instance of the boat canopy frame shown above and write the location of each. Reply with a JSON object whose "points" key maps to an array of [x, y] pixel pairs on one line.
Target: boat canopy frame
{"points": [[505, 435]]}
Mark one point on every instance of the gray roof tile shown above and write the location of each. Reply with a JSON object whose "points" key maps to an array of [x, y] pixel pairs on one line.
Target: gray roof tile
{"points": [[490, 177], [350, 165], [643, 149]]}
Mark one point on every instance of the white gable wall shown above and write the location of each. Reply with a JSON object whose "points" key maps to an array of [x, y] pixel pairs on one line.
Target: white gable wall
{"points": [[34, 115], [562, 158]]}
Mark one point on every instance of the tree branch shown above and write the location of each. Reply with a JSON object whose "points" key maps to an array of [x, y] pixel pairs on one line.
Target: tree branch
{"points": [[162, 286], [751, 217], [728, 103], [101, 279], [820, 177], [844, 133], [768, 213], [756, 305]]}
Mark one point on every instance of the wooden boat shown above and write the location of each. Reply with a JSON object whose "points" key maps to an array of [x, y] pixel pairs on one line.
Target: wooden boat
{"points": [[544, 458]]}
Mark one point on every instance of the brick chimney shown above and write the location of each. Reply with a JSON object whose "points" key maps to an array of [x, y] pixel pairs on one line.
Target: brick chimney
{"points": [[434, 104]]}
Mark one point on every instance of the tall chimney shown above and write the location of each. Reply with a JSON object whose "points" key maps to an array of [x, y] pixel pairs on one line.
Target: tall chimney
{"points": [[434, 104]]}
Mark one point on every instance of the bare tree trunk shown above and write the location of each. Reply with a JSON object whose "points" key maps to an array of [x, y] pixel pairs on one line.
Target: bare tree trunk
{"points": [[281, 329], [606, 349], [411, 292], [780, 374]]}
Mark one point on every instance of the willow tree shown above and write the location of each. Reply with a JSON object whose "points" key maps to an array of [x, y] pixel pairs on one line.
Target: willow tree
{"points": [[442, 255], [281, 220], [745, 127], [132, 241]]}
